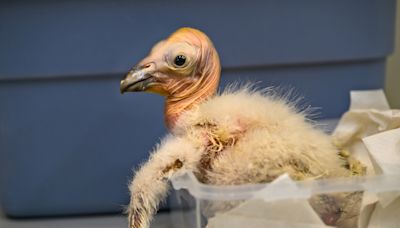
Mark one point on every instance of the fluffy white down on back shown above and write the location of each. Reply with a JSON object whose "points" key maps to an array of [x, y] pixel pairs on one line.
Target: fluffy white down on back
{"points": [[262, 135]]}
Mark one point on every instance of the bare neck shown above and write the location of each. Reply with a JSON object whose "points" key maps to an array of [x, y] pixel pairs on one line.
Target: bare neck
{"points": [[174, 106]]}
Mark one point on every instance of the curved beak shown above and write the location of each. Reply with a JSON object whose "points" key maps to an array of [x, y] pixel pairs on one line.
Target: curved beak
{"points": [[138, 79]]}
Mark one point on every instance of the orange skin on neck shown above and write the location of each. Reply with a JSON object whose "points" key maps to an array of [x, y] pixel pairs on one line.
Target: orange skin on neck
{"points": [[185, 87]]}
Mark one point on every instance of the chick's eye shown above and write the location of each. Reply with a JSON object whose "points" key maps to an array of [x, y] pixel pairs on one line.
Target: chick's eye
{"points": [[180, 60]]}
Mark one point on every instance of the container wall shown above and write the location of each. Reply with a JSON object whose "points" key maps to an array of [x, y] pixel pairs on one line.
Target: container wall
{"points": [[343, 209]]}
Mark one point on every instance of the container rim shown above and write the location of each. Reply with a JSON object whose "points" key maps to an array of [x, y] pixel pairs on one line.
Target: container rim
{"points": [[286, 189]]}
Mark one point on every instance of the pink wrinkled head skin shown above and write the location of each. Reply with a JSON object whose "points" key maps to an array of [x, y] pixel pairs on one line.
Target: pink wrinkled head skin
{"points": [[186, 86]]}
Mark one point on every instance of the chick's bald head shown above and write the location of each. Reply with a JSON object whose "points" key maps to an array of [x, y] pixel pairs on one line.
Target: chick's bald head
{"points": [[184, 65]]}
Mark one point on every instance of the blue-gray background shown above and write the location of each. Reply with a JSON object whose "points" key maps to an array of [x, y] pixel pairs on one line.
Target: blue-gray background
{"points": [[69, 140]]}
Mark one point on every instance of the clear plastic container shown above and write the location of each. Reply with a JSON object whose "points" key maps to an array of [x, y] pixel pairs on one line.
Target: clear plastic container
{"points": [[285, 203]]}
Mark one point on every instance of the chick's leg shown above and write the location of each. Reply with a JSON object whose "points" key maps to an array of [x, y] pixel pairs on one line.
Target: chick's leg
{"points": [[150, 184]]}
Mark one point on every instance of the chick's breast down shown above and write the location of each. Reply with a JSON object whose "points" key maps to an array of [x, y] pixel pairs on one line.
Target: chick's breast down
{"points": [[253, 137]]}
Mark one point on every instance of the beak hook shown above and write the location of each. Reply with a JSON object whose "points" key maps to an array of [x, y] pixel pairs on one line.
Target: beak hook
{"points": [[137, 79]]}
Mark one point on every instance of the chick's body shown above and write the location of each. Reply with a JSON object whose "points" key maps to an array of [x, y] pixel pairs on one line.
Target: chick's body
{"points": [[252, 137]]}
